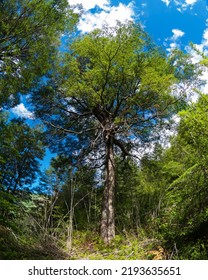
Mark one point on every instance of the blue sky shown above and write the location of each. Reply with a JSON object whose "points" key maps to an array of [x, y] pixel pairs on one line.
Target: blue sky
{"points": [[171, 24], [159, 17]]}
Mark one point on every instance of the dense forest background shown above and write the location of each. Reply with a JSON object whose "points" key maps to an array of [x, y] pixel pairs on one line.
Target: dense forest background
{"points": [[129, 179]]}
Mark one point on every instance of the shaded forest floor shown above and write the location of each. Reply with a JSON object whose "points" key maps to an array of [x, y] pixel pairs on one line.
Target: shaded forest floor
{"points": [[86, 245], [14, 247], [123, 247]]}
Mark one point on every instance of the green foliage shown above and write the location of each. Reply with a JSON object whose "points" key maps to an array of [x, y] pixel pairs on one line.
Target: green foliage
{"points": [[30, 33], [8, 209], [184, 166], [127, 196], [204, 58], [76, 191], [121, 59], [196, 250], [20, 148], [88, 245], [192, 183], [193, 127], [138, 193]]}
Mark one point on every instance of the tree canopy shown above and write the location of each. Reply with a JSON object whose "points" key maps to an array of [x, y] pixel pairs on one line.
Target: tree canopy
{"points": [[113, 81], [30, 34]]}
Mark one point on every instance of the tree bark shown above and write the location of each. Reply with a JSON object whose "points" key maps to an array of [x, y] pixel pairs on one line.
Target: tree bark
{"points": [[108, 211], [71, 217]]}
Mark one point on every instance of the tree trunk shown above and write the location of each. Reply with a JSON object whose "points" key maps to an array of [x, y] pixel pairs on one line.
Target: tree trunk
{"points": [[108, 212], [71, 217]]}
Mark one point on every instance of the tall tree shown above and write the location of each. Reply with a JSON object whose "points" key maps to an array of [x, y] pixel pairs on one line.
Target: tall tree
{"points": [[111, 95], [30, 32]]}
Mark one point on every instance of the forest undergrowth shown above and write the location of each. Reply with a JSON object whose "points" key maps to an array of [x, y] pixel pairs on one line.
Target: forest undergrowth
{"points": [[87, 245]]}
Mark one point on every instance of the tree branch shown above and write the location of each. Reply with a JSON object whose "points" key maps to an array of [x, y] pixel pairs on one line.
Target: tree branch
{"points": [[121, 146], [68, 130]]}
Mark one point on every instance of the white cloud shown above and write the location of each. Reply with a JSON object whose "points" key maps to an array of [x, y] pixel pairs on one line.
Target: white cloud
{"points": [[175, 39], [173, 46], [90, 21], [21, 111], [205, 38], [181, 4], [107, 15], [144, 5], [190, 2], [167, 2], [196, 57], [187, 4], [204, 77], [202, 48], [177, 33], [90, 4]]}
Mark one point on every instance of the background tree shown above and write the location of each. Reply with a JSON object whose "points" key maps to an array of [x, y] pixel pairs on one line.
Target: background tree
{"points": [[177, 178], [74, 194], [126, 195], [187, 192], [30, 35], [112, 95], [21, 148]]}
